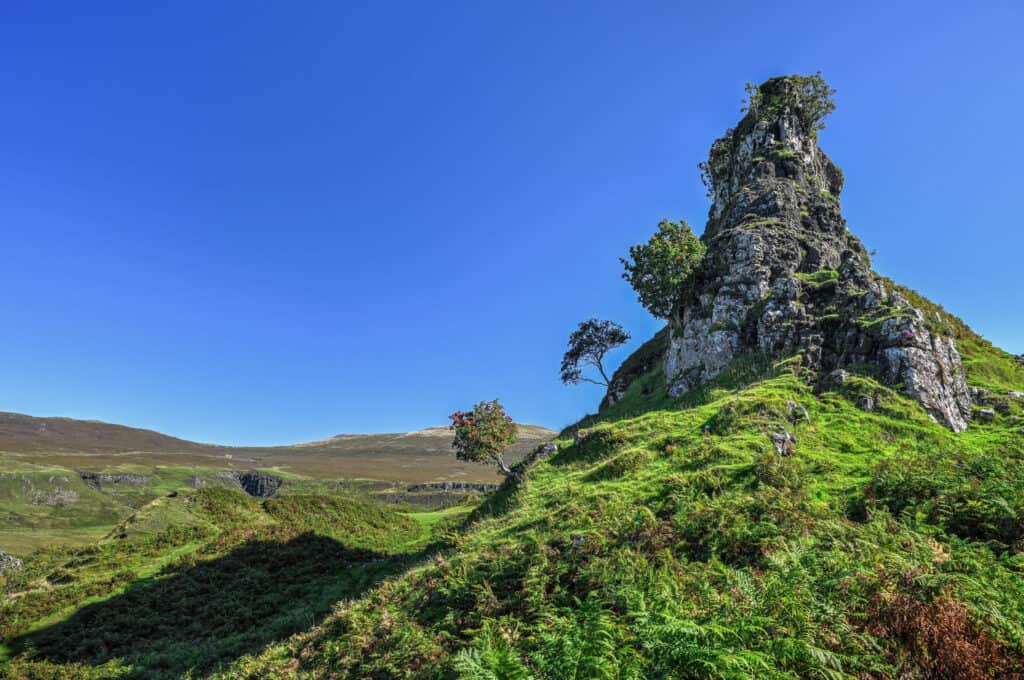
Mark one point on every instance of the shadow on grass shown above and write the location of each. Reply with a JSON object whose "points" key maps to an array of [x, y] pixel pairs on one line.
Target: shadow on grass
{"points": [[199, 617]]}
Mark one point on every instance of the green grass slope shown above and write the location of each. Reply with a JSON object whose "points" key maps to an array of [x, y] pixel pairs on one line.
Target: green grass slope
{"points": [[672, 540], [217, 575]]}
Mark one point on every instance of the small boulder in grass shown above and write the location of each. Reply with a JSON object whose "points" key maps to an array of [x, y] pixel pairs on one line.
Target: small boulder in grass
{"points": [[866, 403], [8, 562], [784, 442]]}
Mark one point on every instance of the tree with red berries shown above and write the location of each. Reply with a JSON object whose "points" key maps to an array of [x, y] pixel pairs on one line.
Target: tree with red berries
{"points": [[484, 434]]}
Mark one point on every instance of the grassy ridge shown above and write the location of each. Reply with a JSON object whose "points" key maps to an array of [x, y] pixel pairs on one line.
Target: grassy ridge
{"points": [[672, 539]]}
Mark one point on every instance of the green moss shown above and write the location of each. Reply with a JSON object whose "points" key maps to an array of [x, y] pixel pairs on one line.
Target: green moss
{"points": [[757, 222], [818, 279]]}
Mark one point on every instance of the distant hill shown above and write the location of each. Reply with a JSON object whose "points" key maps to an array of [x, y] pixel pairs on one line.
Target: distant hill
{"points": [[421, 456]]}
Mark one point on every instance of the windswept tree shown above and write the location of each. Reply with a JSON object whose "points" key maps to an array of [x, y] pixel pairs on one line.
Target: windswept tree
{"points": [[662, 270], [587, 346], [484, 434]]}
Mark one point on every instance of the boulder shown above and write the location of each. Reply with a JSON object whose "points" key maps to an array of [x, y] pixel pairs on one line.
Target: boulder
{"points": [[8, 562], [783, 441]]}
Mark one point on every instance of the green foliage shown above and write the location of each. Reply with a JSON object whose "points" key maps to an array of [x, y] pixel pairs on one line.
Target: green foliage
{"points": [[492, 656], [587, 346], [974, 497], [809, 96], [662, 270], [483, 434], [580, 643], [818, 279], [356, 522], [228, 507]]}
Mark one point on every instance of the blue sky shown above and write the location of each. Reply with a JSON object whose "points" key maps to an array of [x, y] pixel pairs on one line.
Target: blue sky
{"points": [[258, 223]]}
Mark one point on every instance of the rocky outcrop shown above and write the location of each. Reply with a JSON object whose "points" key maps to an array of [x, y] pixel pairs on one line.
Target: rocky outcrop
{"points": [[783, 275], [98, 479], [56, 497], [449, 487], [8, 562], [258, 484]]}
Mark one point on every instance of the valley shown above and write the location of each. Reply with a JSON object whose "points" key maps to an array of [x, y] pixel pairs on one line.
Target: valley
{"points": [[70, 482]]}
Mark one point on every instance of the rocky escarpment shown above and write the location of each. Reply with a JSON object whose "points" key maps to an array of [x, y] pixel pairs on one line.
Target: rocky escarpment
{"points": [[98, 479], [783, 274], [258, 484]]}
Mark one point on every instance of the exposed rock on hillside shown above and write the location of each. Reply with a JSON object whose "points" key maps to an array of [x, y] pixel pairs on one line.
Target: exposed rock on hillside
{"points": [[453, 486], [8, 562], [783, 274], [98, 479], [258, 484]]}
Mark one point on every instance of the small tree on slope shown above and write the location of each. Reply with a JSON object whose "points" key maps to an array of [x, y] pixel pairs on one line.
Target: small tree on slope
{"points": [[483, 434], [587, 346], [661, 271]]}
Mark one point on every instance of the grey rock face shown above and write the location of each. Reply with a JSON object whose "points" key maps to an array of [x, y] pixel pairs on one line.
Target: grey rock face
{"points": [[8, 562], [783, 274], [448, 487], [57, 497], [258, 484], [99, 479], [784, 442]]}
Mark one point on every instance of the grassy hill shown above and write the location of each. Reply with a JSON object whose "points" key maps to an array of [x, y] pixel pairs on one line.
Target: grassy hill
{"points": [[409, 457], [48, 496], [675, 540], [227, 574], [759, 527]]}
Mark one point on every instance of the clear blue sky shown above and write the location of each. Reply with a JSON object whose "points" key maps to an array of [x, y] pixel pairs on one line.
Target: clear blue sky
{"points": [[264, 222]]}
